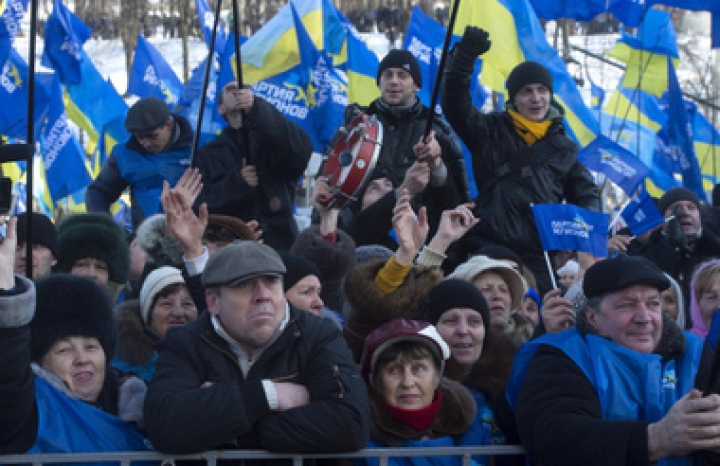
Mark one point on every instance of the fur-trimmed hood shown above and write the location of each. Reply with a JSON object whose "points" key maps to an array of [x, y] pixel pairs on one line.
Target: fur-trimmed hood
{"points": [[136, 344], [370, 307], [456, 415]]}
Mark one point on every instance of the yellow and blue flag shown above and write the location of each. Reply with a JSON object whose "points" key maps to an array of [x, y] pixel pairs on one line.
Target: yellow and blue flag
{"points": [[97, 108], [517, 36], [567, 227], [152, 76], [645, 53], [63, 157], [65, 35]]}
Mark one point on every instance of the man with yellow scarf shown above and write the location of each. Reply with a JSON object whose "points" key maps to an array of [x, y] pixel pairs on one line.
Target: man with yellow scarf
{"points": [[520, 156]]}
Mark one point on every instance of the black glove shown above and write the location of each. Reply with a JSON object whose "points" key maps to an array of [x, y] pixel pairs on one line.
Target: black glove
{"points": [[675, 234], [475, 41]]}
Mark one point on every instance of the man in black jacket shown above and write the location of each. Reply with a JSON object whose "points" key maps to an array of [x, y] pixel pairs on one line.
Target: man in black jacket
{"points": [[520, 156], [254, 372], [250, 171], [432, 169]]}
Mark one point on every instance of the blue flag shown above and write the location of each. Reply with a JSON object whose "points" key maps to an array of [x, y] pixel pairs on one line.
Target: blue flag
{"points": [[641, 214], [680, 136], [152, 76], [629, 12], [65, 35], [597, 95], [14, 98], [424, 39], [580, 10], [568, 227], [206, 17], [10, 25], [614, 161], [189, 104], [63, 157]]}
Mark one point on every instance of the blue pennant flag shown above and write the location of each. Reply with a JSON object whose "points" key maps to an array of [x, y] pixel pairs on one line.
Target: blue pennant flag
{"points": [[641, 214], [63, 157], [605, 156], [65, 35], [680, 136], [206, 18], [152, 76], [14, 98], [568, 227], [10, 25]]}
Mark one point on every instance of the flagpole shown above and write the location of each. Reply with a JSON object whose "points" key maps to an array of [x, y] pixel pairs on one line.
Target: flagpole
{"points": [[238, 56], [550, 270], [30, 139], [206, 83], [441, 67]]}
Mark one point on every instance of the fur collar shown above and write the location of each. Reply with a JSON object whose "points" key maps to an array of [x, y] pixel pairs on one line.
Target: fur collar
{"points": [[457, 414], [136, 345]]}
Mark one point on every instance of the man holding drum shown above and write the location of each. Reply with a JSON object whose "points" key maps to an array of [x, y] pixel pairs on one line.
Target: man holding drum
{"points": [[431, 169]]}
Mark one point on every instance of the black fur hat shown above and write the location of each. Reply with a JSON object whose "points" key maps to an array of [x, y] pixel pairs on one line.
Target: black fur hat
{"points": [[93, 235], [67, 306]]}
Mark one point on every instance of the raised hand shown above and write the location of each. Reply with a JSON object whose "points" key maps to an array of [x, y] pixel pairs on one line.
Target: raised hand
{"points": [[189, 185], [249, 174], [454, 223], [182, 223], [417, 178], [411, 230], [428, 150]]}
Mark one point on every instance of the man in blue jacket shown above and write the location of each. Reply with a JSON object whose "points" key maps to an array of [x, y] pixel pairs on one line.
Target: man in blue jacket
{"points": [[624, 387], [159, 149]]}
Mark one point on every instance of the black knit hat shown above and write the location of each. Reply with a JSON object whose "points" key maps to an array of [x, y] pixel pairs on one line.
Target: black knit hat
{"points": [[297, 268], [620, 272], [453, 293], [43, 231], [677, 194], [403, 59], [93, 235], [67, 306], [146, 115], [528, 72]]}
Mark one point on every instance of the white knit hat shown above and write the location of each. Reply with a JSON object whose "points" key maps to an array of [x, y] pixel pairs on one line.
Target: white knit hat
{"points": [[571, 267], [155, 282]]}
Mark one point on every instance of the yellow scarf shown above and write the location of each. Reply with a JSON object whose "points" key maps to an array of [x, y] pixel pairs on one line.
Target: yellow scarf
{"points": [[529, 130]]}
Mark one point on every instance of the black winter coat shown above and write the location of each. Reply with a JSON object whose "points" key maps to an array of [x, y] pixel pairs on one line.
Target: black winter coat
{"points": [[509, 174], [182, 417], [400, 133], [280, 151]]}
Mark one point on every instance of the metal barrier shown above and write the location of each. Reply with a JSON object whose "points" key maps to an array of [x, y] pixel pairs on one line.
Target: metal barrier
{"points": [[212, 457]]}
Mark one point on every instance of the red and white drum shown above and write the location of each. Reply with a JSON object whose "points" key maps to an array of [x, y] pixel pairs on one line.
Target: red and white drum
{"points": [[353, 159]]}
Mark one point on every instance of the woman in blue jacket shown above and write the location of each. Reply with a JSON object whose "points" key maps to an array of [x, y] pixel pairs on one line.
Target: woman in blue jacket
{"points": [[58, 393]]}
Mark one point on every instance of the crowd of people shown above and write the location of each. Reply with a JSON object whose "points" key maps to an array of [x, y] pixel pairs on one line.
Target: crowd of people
{"points": [[414, 316]]}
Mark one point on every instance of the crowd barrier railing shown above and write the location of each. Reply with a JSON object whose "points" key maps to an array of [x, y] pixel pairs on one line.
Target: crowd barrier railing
{"points": [[211, 458]]}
